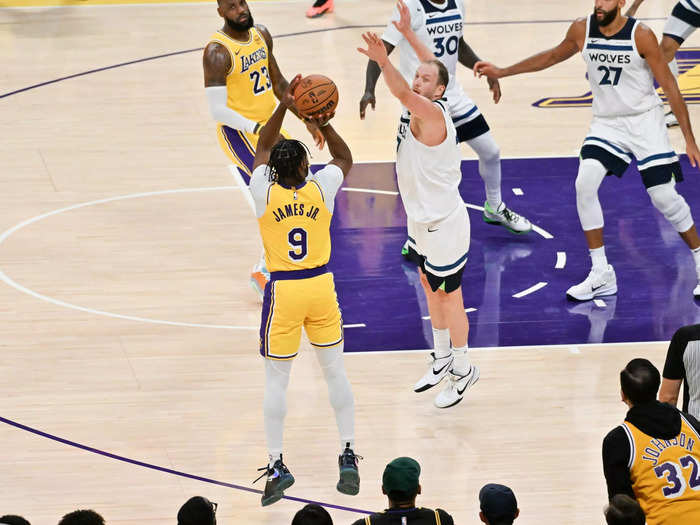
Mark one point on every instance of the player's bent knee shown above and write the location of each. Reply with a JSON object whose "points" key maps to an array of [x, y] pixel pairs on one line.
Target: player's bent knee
{"points": [[590, 175], [672, 205]]}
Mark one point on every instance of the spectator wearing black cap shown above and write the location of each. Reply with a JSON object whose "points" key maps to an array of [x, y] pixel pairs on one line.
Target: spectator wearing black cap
{"points": [[197, 511], [82, 517], [498, 505], [11, 519], [312, 514], [401, 486], [624, 510]]}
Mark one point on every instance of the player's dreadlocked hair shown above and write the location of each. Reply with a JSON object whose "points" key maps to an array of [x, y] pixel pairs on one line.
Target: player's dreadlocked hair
{"points": [[285, 158]]}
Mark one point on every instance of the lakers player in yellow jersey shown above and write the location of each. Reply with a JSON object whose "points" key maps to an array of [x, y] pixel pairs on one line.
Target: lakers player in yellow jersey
{"points": [[654, 456], [294, 210], [243, 82]]}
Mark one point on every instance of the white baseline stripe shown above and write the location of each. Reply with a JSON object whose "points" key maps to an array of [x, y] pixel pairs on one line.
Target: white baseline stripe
{"points": [[561, 260], [367, 190], [530, 290], [506, 348], [467, 310], [518, 191]]}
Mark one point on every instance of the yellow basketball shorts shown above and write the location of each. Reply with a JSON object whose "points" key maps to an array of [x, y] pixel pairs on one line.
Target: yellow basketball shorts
{"points": [[294, 299], [240, 146]]}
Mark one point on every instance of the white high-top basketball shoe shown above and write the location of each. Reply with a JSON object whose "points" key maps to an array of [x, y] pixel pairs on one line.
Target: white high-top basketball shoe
{"points": [[597, 284]]}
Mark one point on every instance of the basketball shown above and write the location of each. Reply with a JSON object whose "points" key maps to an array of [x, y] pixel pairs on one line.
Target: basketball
{"points": [[316, 94]]}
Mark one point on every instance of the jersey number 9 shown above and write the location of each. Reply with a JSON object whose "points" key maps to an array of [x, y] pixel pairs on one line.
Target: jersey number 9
{"points": [[297, 239]]}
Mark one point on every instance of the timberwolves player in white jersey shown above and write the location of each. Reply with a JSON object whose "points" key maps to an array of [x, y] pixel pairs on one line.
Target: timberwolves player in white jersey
{"points": [[623, 58], [428, 169], [439, 25]]}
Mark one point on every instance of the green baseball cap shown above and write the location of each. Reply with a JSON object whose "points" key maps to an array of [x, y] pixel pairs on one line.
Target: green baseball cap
{"points": [[401, 475]]}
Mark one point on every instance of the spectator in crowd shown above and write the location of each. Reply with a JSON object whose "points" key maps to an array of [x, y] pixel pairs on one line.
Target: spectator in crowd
{"points": [[401, 486], [653, 455], [312, 514], [624, 510], [82, 517], [683, 365], [11, 519], [498, 505], [197, 510]]}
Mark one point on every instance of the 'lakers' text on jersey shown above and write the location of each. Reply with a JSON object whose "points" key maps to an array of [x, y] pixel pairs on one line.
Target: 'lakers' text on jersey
{"points": [[621, 80], [248, 81], [665, 474]]}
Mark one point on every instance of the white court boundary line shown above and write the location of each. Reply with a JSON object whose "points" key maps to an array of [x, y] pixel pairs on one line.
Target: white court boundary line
{"points": [[14, 284], [566, 347]]}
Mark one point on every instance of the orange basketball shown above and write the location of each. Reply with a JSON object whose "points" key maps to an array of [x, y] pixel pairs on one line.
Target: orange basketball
{"points": [[316, 94]]}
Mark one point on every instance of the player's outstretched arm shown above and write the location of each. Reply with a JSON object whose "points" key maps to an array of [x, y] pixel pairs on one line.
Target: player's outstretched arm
{"points": [[633, 8], [270, 132], [467, 57], [280, 85], [418, 105], [572, 43], [403, 25], [337, 147], [371, 76], [217, 63], [648, 47]]}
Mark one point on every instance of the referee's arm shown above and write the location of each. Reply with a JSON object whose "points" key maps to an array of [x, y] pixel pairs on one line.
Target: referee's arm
{"points": [[674, 370], [616, 454]]}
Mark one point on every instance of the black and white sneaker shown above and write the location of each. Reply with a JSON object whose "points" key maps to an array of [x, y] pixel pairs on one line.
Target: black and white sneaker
{"points": [[349, 482], [670, 119], [597, 284], [439, 368], [507, 218], [278, 480], [454, 391]]}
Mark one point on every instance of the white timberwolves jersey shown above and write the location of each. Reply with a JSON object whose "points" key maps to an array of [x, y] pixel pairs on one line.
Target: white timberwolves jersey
{"points": [[439, 27], [429, 176], [621, 80]]}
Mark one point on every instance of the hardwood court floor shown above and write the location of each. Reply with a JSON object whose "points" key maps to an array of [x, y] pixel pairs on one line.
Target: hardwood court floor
{"points": [[171, 377]]}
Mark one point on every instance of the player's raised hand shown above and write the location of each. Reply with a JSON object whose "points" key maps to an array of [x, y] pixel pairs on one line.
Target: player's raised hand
{"points": [[487, 69], [288, 96], [313, 128], [367, 99], [375, 48], [404, 23], [495, 87], [691, 149]]}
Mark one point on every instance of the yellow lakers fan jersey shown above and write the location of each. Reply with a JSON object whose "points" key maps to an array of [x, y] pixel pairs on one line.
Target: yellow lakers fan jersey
{"points": [[665, 475], [295, 228], [248, 82]]}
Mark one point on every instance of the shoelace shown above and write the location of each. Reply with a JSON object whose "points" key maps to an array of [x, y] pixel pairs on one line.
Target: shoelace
{"points": [[510, 215], [265, 469], [349, 454]]}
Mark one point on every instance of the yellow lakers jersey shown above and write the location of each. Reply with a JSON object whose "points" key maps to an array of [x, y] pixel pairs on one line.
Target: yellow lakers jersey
{"points": [[295, 228], [665, 475], [248, 82]]}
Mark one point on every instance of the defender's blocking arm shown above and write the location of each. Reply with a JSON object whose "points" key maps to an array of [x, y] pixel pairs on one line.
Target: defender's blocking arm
{"points": [[572, 44]]}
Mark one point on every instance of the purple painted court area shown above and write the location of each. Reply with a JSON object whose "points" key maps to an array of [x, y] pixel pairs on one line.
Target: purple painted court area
{"points": [[654, 268]]}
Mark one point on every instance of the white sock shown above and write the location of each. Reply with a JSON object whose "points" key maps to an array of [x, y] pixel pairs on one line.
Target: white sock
{"points": [[598, 258], [339, 392], [273, 459], [275, 405], [441, 342], [696, 258], [461, 364]]}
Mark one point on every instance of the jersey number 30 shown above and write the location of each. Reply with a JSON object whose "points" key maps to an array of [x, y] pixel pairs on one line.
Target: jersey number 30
{"points": [[261, 80], [441, 46], [297, 239]]}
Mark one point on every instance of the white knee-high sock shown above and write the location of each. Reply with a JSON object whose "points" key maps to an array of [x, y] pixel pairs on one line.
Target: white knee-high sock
{"points": [[489, 166], [339, 392], [275, 405]]}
